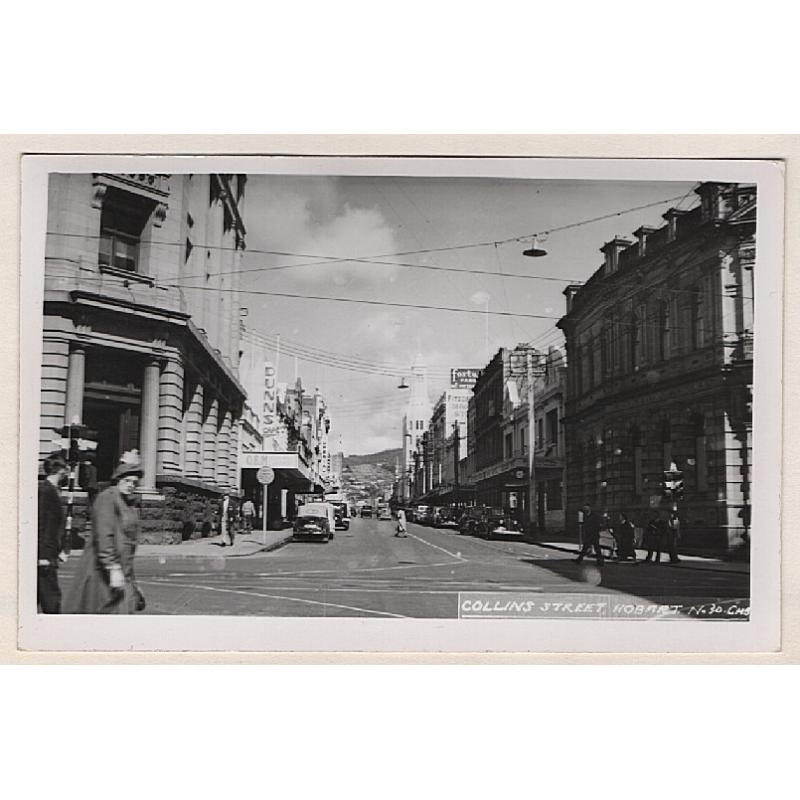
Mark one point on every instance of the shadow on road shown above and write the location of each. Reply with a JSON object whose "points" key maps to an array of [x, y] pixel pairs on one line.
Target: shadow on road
{"points": [[660, 583]]}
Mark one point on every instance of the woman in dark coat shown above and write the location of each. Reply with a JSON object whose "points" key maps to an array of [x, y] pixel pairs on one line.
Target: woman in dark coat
{"points": [[105, 582]]}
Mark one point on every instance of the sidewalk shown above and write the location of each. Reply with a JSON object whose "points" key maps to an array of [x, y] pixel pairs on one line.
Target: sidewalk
{"points": [[216, 547], [686, 562]]}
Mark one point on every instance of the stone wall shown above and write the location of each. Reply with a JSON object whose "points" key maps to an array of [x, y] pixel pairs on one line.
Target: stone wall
{"points": [[185, 512]]}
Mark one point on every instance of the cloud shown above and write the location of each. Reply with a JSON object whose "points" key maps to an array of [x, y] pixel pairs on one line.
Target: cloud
{"points": [[309, 217]]}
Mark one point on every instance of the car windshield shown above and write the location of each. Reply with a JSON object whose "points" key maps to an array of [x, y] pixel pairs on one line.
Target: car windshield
{"points": [[313, 510]]}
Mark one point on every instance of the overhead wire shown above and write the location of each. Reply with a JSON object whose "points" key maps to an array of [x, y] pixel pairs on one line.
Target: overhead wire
{"points": [[325, 259]]}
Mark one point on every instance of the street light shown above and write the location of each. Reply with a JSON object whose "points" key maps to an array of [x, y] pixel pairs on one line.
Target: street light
{"points": [[403, 384], [533, 251]]}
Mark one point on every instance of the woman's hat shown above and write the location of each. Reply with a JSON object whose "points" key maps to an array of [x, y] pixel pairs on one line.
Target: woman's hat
{"points": [[129, 464]]}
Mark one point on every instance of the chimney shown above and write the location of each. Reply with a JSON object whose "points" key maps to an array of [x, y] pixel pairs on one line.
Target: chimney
{"points": [[570, 293], [671, 217], [641, 234], [611, 251], [710, 201]]}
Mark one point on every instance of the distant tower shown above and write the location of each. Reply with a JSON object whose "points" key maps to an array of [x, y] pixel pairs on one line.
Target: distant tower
{"points": [[417, 416]]}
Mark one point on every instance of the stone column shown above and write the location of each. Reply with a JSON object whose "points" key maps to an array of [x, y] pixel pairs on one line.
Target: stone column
{"points": [[223, 451], [235, 456], [209, 451], [75, 379], [55, 361], [169, 419], [149, 424], [192, 434]]}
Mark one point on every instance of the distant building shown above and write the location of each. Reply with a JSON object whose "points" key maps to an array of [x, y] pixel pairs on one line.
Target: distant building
{"points": [[446, 429], [659, 347], [141, 333]]}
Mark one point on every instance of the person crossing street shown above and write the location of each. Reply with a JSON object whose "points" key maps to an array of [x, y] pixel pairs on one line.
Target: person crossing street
{"points": [[401, 523]]}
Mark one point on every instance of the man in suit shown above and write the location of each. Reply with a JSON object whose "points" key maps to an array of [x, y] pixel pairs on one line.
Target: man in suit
{"points": [[51, 534]]}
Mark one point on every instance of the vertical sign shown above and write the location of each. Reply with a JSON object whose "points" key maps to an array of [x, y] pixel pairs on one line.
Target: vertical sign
{"points": [[269, 423]]}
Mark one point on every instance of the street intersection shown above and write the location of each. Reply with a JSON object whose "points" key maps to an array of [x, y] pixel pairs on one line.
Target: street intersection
{"points": [[369, 572]]}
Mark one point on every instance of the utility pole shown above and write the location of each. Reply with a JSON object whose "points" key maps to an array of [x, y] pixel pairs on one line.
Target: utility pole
{"points": [[457, 459], [532, 493]]}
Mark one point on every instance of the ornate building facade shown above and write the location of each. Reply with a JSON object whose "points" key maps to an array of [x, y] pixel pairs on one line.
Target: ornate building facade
{"points": [[141, 333], [659, 349]]}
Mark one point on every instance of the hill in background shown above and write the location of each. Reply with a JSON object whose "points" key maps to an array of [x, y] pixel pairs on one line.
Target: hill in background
{"points": [[370, 476]]}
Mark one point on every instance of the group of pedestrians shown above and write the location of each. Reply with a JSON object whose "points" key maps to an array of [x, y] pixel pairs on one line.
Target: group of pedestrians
{"points": [[661, 534], [105, 582]]}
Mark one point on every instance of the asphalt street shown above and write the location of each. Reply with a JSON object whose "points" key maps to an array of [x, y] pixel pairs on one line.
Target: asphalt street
{"points": [[369, 572]]}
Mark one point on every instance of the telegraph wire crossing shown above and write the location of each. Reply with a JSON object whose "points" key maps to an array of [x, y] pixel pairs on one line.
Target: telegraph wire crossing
{"points": [[422, 251]]}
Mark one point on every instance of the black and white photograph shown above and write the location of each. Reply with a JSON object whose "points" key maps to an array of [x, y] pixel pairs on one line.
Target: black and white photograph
{"points": [[400, 404]]}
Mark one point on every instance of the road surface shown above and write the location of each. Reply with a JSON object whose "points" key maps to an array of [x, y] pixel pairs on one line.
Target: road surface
{"points": [[369, 572]]}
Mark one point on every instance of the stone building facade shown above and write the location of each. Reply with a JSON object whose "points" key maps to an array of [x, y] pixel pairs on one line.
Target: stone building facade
{"points": [[659, 349], [141, 333]]}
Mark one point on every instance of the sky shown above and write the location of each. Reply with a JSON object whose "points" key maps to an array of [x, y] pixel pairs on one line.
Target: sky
{"points": [[349, 217]]}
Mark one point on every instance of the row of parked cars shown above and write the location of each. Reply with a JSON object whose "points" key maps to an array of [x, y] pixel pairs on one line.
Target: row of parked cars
{"points": [[484, 521]]}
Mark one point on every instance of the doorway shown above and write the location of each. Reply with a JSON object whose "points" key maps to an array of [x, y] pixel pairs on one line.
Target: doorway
{"points": [[117, 427]]}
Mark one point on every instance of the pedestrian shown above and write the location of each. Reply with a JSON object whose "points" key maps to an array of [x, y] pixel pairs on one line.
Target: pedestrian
{"points": [[105, 582], [248, 512], [591, 535], [223, 521], [401, 523], [672, 536], [625, 537], [51, 534], [654, 538]]}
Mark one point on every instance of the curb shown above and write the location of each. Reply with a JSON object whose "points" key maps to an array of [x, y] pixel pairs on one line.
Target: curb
{"points": [[267, 548], [699, 568]]}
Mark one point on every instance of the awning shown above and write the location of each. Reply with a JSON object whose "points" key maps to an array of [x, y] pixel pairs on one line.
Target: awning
{"points": [[289, 468]]}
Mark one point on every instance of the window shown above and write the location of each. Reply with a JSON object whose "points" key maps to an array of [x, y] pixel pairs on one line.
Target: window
{"points": [[663, 330], [604, 360], [509, 452], [122, 221], [539, 432], [635, 342], [554, 495], [523, 441], [638, 476], [697, 320], [551, 422], [700, 453]]}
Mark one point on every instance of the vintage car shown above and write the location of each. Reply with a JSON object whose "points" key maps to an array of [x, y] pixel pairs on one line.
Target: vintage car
{"points": [[341, 516], [469, 520], [423, 515], [314, 521], [445, 517], [496, 523]]}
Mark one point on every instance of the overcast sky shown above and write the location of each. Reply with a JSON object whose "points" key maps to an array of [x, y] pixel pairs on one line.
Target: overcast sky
{"points": [[359, 217]]}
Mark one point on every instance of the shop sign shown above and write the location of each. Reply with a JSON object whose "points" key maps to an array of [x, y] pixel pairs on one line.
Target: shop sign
{"points": [[463, 377]]}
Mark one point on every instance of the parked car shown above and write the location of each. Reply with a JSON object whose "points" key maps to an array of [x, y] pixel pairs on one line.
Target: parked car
{"points": [[423, 515], [469, 520], [315, 521], [495, 522], [341, 515], [445, 517], [366, 511], [384, 513]]}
